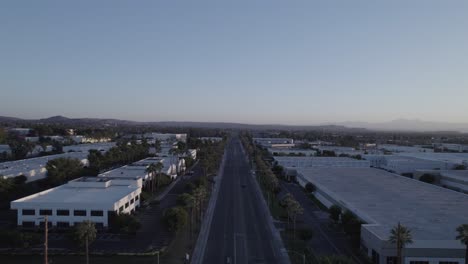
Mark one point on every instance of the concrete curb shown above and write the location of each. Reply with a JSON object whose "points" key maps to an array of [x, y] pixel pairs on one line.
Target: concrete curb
{"points": [[199, 251]]}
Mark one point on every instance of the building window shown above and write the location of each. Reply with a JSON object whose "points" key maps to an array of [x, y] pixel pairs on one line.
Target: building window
{"points": [[63, 224], [28, 212], [120, 209], [63, 212], [126, 205], [79, 213], [28, 224], [132, 201], [391, 260], [96, 213], [375, 257], [136, 198], [45, 212], [419, 262]]}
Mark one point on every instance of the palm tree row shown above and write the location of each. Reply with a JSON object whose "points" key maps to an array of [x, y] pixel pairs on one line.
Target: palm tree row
{"points": [[154, 171]]}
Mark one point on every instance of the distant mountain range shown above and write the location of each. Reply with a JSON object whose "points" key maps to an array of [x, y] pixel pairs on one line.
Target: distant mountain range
{"points": [[409, 125], [395, 125]]}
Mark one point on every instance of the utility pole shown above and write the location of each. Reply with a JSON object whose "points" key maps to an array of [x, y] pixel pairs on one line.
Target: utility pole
{"points": [[46, 234]]}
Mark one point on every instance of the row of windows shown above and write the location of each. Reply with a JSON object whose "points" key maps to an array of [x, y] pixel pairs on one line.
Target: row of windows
{"points": [[59, 224], [62, 212]]}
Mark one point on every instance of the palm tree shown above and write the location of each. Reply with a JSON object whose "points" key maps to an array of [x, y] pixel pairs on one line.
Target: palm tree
{"points": [[400, 235], [151, 170], [159, 166], [463, 237], [294, 209], [189, 203], [85, 234]]}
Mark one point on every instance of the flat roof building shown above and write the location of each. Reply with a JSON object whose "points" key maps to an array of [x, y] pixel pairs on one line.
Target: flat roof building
{"points": [[88, 198], [292, 151], [34, 168], [103, 147], [451, 159], [382, 199], [309, 162]]}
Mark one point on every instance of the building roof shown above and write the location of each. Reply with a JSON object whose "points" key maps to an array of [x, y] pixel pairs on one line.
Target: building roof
{"points": [[105, 146], [384, 199], [126, 171], [71, 193], [25, 166], [310, 161], [455, 158]]}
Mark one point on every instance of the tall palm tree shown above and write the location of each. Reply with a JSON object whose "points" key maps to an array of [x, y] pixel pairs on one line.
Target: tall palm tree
{"points": [[463, 237], [294, 209], [159, 166], [85, 234], [400, 235], [151, 170]]}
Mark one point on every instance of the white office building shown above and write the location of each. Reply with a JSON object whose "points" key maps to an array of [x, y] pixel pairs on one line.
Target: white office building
{"points": [[96, 199], [35, 168], [291, 151], [102, 147], [166, 137], [274, 142], [382, 199], [311, 162], [456, 180]]}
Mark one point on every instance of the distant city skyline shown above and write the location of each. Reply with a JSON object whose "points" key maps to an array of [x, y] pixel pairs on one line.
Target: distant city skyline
{"points": [[254, 62]]}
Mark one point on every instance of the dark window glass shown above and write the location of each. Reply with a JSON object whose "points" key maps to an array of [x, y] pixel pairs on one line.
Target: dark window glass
{"points": [[45, 212], [126, 205], [132, 201], [79, 213], [121, 209], [63, 224], [63, 212], [136, 198], [97, 213], [29, 212], [28, 224]]}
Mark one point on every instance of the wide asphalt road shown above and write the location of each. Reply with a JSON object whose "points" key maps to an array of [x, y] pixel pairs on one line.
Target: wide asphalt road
{"points": [[239, 233]]}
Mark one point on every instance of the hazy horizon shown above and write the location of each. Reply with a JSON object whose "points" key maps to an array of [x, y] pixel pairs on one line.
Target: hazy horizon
{"points": [[262, 62]]}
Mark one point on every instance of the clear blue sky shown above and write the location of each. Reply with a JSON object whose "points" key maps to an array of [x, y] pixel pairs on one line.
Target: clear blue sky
{"points": [[290, 62]]}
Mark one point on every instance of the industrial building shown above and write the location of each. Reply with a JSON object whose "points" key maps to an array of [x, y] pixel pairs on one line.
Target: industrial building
{"points": [[96, 199], [382, 199], [166, 137], [309, 162], [456, 180], [291, 151], [274, 142], [405, 164], [103, 147], [408, 149], [35, 168]]}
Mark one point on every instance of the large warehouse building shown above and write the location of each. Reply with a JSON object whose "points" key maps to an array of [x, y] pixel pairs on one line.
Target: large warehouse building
{"points": [[297, 162], [382, 199], [88, 198]]}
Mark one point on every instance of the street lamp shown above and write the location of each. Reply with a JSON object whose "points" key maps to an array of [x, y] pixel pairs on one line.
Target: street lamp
{"points": [[46, 234], [300, 254]]}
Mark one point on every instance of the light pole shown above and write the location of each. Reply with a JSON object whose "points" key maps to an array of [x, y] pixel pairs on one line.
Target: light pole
{"points": [[300, 254]]}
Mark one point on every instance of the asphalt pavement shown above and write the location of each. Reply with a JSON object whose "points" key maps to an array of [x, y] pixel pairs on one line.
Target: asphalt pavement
{"points": [[239, 231]]}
